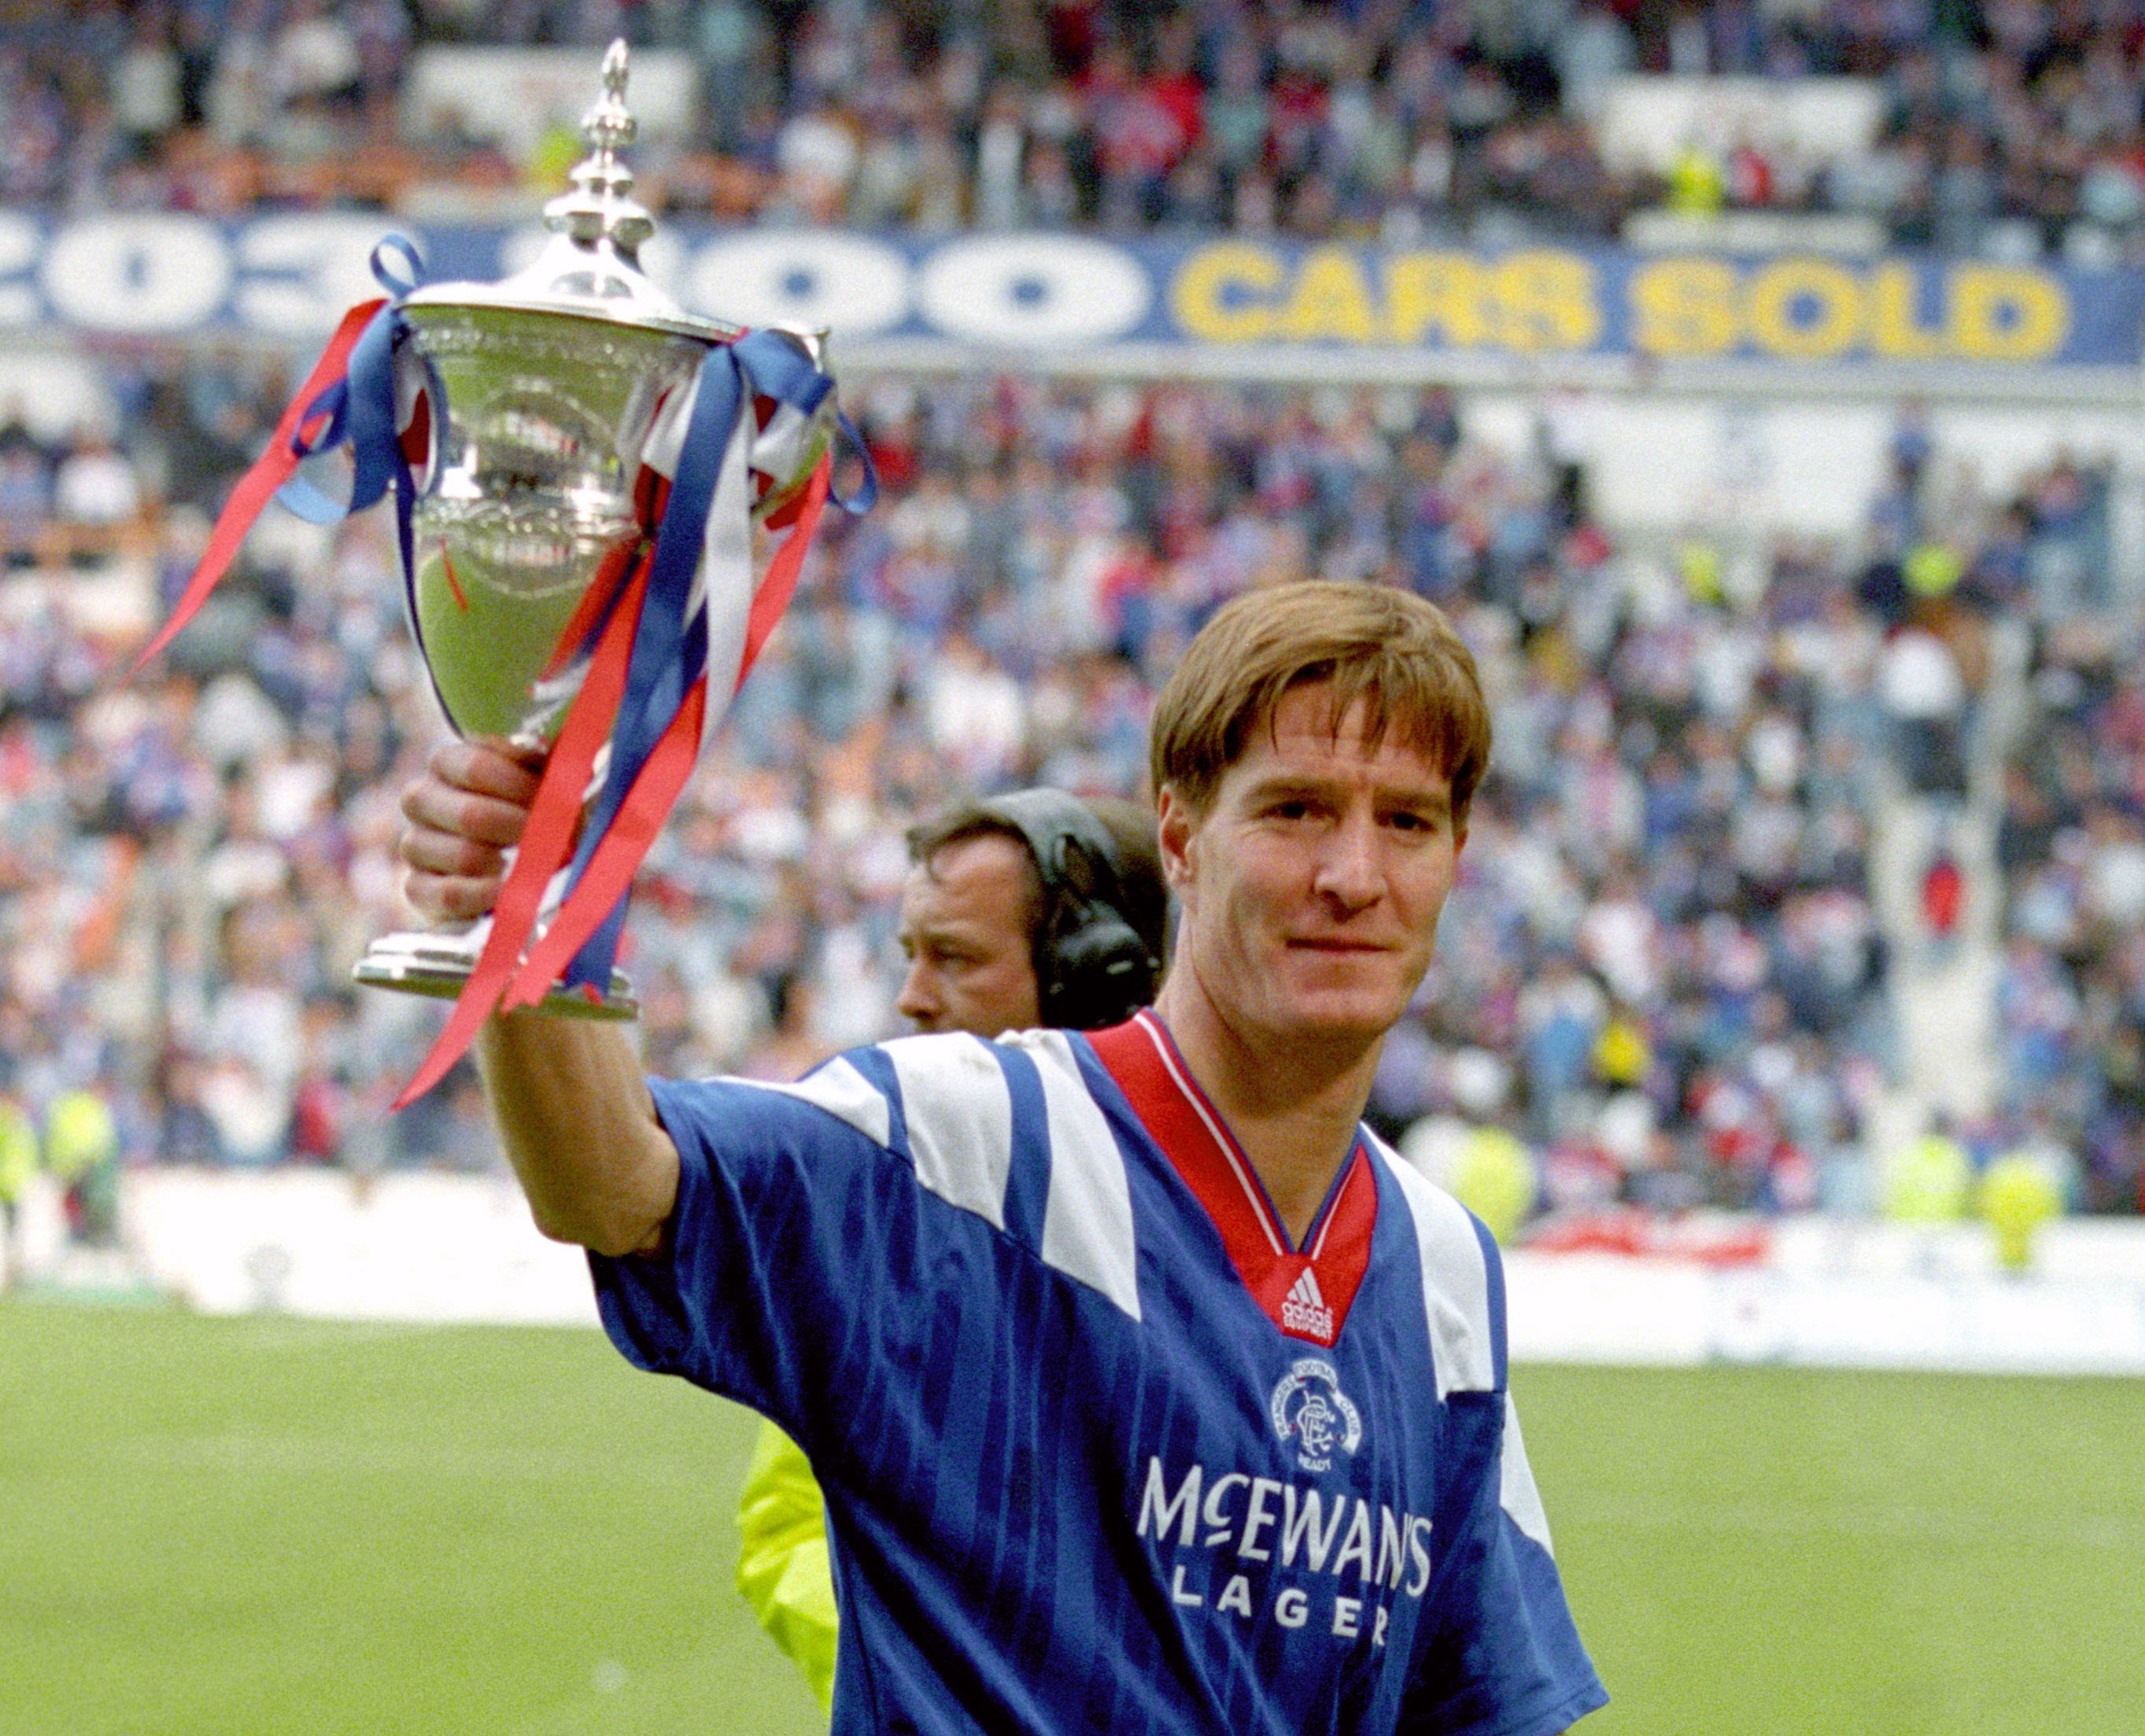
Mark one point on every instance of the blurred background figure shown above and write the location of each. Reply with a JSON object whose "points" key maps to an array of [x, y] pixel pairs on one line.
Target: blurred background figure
{"points": [[19, 1168], [82, 1151], [1930, 1180], [2016, 1197], [1496, 1178]]}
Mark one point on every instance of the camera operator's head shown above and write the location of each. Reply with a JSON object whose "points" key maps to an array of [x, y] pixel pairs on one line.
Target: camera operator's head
{"points": [[1033, 909]]}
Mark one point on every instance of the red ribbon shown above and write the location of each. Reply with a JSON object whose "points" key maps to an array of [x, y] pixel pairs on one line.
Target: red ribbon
{"points": [[609, 875], [609, 578], [774, 594], [546, 840], [257, 486]]}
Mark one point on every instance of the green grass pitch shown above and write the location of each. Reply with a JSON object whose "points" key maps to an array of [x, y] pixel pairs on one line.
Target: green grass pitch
{"points": [[262, 1526]]}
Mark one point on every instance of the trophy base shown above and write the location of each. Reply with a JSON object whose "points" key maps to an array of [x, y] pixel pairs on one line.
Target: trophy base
{"points": [[438, 963]]}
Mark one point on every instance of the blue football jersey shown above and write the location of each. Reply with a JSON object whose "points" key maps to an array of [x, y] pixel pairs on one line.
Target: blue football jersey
{"points": [[1102, 1449]]}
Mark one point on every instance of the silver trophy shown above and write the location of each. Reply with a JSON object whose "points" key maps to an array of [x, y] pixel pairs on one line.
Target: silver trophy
{"points": [[543, 390]]}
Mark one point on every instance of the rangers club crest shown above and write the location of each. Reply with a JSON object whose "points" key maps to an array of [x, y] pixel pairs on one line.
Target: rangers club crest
{"points": [[1310, 1409]]}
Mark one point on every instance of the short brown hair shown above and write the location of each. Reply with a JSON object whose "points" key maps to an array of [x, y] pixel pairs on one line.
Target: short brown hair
{"points": [[1387, 647]]}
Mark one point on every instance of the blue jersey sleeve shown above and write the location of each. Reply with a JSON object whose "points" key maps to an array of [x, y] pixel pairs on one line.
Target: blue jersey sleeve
{"points": [[1504, 1658], [793, 1213]]}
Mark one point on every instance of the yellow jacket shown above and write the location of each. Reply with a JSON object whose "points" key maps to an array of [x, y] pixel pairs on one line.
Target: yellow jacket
{"points": [[783, 1568], [18, 1152]]}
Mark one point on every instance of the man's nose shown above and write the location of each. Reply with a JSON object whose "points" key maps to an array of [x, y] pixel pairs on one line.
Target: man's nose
{"points": [[1348, 870], [919, 999]]}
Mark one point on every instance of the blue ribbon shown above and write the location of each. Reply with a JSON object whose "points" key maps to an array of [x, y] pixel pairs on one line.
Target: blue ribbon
{"points": [[778, 368], [866, 495], [360, 409], [670, 650]]}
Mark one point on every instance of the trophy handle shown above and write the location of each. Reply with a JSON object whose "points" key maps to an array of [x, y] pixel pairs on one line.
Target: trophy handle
{"points": [[437, 962]]}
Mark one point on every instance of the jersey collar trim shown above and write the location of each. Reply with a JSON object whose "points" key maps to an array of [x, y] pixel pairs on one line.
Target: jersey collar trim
{"points": [[1305, 1292]]}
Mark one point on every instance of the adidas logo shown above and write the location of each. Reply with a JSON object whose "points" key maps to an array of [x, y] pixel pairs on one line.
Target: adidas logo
{"points": [[1303, 1309]]}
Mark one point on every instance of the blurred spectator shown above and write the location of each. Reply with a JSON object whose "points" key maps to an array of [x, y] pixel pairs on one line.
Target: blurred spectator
{"points": [[1930, 1178], [95, 488], [24, 501], [82, 1152], [18, 1169], [1925, 695], [1943, 894]]}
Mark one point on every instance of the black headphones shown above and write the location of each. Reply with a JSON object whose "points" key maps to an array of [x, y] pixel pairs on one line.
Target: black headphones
{"points": [[1091, 968]]}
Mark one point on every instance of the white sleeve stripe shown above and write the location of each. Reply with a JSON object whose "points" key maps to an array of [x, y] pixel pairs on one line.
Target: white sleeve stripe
{"points": [[1516, 1493], [1087, 1215], [958, 1111], [1455, 1288], [844, 1092]]}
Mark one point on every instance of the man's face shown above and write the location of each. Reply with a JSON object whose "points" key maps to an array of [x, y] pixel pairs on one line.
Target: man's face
{"points": [[1311, 885], [964, 929]]}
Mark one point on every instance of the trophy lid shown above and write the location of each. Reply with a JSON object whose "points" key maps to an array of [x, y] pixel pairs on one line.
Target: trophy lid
{"points": [[590, 267]]}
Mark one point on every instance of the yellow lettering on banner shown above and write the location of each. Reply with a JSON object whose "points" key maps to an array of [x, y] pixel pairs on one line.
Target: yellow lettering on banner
{"points": [[1330, 300], [2006, 313], [1894, 297], [1198, 295], [1439, 298], [1545, 301], [1802, 309], [1684, 307], [1834, 291]]}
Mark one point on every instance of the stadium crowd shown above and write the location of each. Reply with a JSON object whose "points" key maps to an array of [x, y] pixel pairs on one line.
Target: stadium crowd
{"points": [[1663, 968], [2006, 123]]}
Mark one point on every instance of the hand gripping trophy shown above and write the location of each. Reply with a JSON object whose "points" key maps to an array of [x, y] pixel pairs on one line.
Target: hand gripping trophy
{"points": [[577, 466]]}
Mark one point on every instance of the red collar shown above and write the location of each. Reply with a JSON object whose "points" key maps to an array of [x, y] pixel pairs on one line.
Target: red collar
{"points": [[1305, 1293]]}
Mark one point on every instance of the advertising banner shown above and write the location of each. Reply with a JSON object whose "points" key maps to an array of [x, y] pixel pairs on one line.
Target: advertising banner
{"points": [[418, 1246], [1152, 304]]}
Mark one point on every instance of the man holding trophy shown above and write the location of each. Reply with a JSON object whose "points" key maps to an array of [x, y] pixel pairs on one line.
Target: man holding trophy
{"points": [[1148, 1391]]}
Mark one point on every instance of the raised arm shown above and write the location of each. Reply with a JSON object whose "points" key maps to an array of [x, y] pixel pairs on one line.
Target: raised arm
{"points": [[567, 1095]]}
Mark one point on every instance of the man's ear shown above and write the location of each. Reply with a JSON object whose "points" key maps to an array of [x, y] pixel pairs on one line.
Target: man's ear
{"points": [[1175, 824]]}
